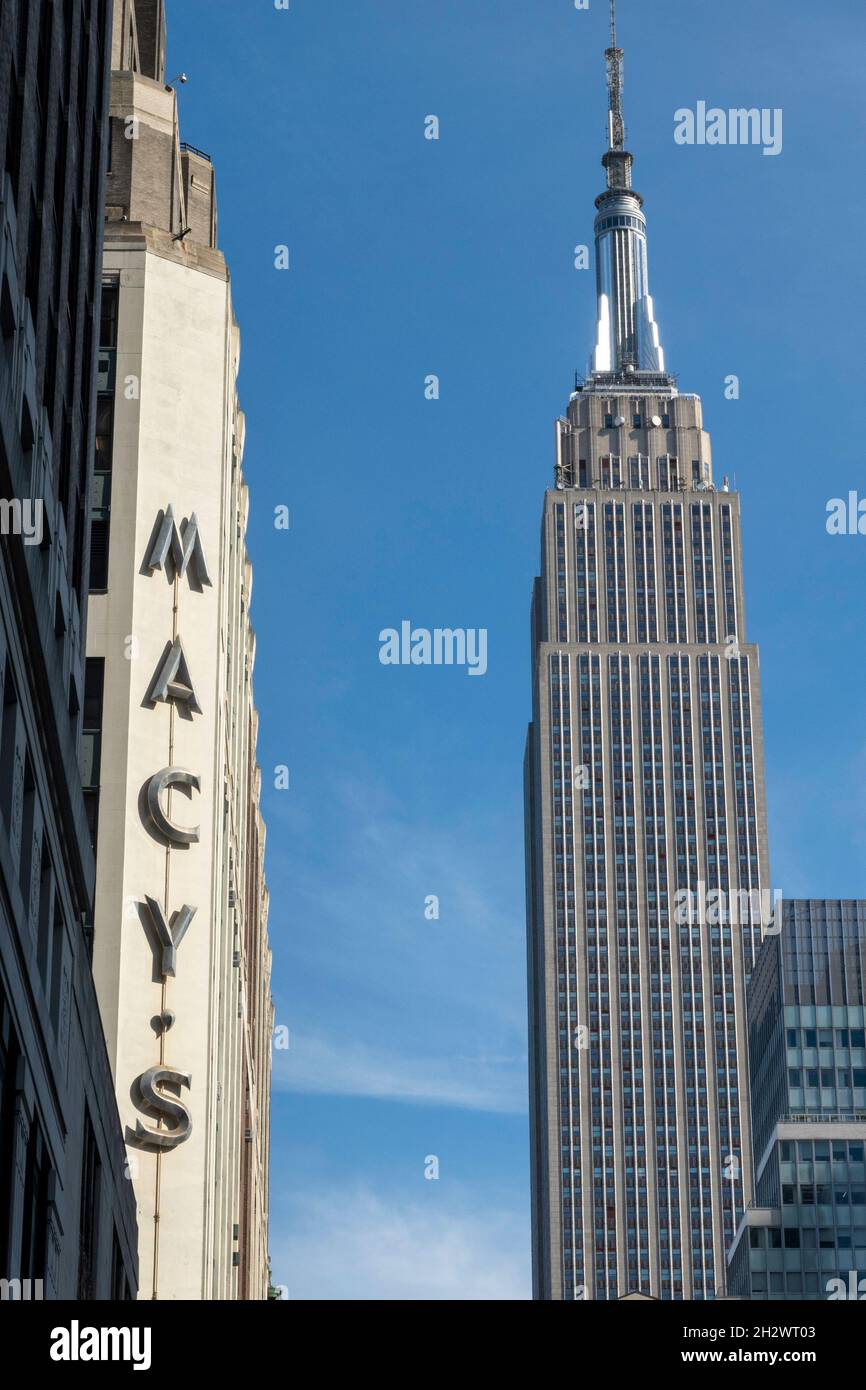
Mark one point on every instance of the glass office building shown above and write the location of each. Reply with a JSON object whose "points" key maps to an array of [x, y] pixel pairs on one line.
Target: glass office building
{"points": [[804, 1236]]}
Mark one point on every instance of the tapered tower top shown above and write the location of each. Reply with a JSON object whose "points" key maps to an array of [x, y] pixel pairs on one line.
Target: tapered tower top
{"points": [[627, 347]]}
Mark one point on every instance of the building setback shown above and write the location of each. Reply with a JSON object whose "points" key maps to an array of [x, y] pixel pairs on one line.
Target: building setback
{"points": [[644, 792], [804, 1236], [181, 956], [67, 1211]]}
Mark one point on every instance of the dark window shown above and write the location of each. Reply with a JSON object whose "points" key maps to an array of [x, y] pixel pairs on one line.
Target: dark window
{"points": [[35, 1208], [101, 499], [98, 556], [88, 1223], [104, 433], [14, 129], [8, 1068], [8, 739], [120, 1290], [25, 863], [34, 256], [57, 948], [91, 741], [108, 317]]}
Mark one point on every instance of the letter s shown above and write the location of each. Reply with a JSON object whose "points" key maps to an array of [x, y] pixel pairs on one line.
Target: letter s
{"points": [[166, 1106]]}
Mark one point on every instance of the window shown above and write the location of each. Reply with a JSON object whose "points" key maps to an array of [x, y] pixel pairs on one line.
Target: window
{"points": [[8, 1068], [91, 741], [101, 498], [120, 1290], [108, 316], [8, 741], [88, 1220], [35, 1206]]}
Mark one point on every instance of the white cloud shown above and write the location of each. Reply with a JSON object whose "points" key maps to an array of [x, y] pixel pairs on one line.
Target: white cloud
{"points": [[316, 1065], [352, 1245]]}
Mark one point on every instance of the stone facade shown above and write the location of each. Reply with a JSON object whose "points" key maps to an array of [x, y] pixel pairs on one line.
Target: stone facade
{"points": [[644, 777], [181, 955]]}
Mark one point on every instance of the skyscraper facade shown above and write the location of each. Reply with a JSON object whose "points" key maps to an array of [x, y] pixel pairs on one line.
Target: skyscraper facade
{"points": [[181, 955], [646, 843], [804, 1235], [67, 1212]]}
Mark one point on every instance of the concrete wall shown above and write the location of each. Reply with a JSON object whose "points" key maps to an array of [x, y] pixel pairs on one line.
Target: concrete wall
{"points": [[569, 982], [178, 443]]}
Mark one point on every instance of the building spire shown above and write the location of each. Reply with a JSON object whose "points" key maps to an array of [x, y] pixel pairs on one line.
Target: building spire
{"points": [[627, 339], [617, 161], [613, 55]]}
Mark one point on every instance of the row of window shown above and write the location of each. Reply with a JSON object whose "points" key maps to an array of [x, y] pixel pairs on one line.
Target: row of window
{"points": [[27, 1207], [622, 562]]}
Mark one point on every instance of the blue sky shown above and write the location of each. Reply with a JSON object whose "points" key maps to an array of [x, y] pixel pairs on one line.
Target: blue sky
{"points": [[412, 257]]}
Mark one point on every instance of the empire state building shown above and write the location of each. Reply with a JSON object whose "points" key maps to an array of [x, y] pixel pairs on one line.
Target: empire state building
{"points": [[646, 840]]}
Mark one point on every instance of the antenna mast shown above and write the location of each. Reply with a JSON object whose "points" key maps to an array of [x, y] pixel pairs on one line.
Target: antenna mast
{"points": [[616, 124]]}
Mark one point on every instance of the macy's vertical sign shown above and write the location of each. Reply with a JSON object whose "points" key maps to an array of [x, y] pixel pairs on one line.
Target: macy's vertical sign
{"points": [[178, 554]]}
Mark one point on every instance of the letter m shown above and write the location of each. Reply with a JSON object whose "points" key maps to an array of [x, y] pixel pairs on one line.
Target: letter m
{"points": [[10, 1290], [183, 548], [745, 126]]}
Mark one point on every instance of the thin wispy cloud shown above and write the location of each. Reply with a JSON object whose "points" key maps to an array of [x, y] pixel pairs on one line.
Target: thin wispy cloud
{"points": [[398, 1004], [351, 1244], [344, 1067]]}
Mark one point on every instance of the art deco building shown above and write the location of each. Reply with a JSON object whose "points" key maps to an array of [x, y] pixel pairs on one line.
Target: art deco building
{"points": [[804, 1236], [644, 803], [67, 1212], [181, 954]]}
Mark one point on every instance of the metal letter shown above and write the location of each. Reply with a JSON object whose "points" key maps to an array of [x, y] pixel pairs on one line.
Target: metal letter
{"points": [[183, 548], [169, 937], [171, 777], [173, 681], [166, 1106]]}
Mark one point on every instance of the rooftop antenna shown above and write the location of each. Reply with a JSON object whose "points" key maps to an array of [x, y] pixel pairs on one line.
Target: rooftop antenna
{"points": [[616, 125]]}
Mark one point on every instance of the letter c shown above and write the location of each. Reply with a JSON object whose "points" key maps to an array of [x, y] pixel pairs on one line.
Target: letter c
{"points": [[159, 782]]}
